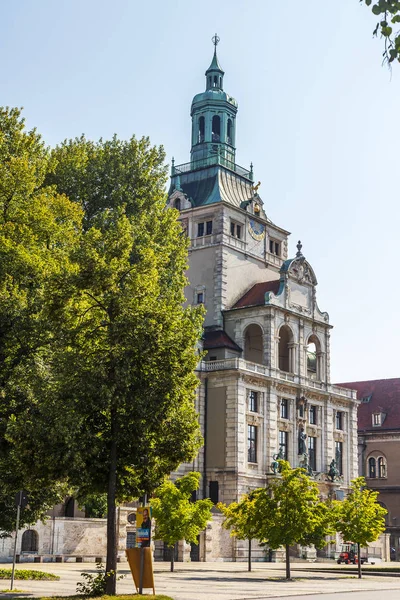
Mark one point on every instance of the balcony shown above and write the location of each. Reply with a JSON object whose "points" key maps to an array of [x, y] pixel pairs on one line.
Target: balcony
{"points": [[211, 161], [244, 365]]}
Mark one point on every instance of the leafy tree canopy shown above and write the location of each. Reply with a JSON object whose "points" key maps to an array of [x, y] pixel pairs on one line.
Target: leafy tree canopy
{"points": [[388, 12]]}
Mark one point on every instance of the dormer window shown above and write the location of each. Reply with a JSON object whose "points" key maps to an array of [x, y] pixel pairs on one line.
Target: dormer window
{"points": [[377, 419], [178, 204]]}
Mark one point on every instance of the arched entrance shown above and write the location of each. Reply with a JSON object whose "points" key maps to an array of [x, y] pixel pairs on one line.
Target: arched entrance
{"points": [[253, 344]]}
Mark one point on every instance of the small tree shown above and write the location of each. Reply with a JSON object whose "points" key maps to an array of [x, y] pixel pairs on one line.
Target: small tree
{"points": [[177, 518], [359, 518], [289, 511], [239, 518]]}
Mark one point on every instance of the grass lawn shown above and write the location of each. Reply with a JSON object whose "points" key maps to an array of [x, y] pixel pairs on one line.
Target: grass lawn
{"points": [[123, 597], [27, 574]]}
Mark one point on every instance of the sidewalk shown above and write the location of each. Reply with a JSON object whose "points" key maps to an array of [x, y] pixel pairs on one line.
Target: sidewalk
{"points": [[211, 581]]}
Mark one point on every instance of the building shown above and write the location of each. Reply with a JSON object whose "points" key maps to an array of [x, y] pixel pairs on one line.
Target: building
{"points": [[379, 447], [265, 379]]}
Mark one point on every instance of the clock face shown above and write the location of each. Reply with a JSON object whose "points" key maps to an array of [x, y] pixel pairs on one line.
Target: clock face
{"points": [[256, 229]]}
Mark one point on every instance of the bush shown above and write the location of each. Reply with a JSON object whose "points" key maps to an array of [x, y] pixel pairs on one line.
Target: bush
{"points": [[95, 585], [27, 574]]}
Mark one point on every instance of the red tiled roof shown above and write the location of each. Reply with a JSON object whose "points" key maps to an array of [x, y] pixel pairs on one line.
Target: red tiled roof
{"points": [[255, 296], [219, 339], [384, 398]]}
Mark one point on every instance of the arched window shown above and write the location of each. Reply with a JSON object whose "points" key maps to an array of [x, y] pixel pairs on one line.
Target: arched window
{"points": [[200, 138], [220, 82], [313, 358], [30, 541], [381, 467], [215, 81], [209, 81], [216, 128], [286, 358], [229, 131], [253, 344], [372, 467], [178, 204]]}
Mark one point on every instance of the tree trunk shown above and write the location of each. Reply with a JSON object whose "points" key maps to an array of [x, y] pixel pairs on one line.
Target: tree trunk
{"points": [[359, 560], [111, 563], [287, 561], [249, 554], [172, 557]]}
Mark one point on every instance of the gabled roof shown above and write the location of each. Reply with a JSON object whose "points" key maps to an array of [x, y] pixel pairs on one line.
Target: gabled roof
{"points": [[255, 296], [377, 396], [219, 339]]}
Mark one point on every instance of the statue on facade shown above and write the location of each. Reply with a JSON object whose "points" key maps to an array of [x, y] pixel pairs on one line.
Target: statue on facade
{"points": [[305, 464], [333, 472], [275, 467], [302, 441]]}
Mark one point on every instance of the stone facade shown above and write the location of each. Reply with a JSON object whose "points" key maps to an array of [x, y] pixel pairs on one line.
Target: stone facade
{"points": [[265, 379]]}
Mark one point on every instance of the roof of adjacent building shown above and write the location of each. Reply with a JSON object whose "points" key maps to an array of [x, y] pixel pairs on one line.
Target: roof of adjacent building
{"points": [[255, 296], [219, 339], [377, 396]]}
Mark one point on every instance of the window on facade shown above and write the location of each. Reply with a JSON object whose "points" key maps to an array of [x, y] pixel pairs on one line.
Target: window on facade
{"points": [[339, 456], [236, 230], [253, 344], [311, 360], [208, 227], [283, 443], [30, 541], [284, 408], [229, 131], [312, 415], [200, 229], [253, 401], [274, 247], [377, 419], [339, 420], [285, 339], [215, 81], [372, 467], [178, 204], [204, 228], [216, 129], [201, 130], [200, 297], [312, 452], [251, 443], [381, 467], [213, 358], [214, 492]]}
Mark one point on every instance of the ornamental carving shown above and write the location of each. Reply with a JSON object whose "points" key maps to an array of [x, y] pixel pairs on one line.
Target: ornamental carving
{"points": [[301, 271]]}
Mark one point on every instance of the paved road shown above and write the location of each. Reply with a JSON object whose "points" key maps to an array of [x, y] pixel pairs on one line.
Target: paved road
{"points": [[223, 581]]}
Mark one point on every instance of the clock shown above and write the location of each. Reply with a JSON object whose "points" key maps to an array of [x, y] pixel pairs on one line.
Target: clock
{"points": [[256, 229]]}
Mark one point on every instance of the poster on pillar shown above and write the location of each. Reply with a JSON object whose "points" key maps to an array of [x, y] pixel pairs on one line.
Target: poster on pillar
{"points": [[143, 527]]}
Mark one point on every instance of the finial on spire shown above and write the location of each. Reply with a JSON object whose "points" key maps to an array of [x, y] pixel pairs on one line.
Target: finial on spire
{"points": [[215, 40], [299, 247], [172, 166]]}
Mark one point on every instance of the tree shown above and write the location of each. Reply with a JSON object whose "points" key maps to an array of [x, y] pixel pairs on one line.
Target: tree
{"points": [[123, 365], [388, 12], [289, 511], [359, 518], [177, 518], [240, 519], [38, 231]]}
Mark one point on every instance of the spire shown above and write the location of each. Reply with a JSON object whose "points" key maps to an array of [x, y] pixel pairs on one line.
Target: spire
{"points": [[214, 73]]}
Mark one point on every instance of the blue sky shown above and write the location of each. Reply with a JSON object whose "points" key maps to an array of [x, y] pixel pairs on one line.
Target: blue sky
{"points": [[318, 117]]}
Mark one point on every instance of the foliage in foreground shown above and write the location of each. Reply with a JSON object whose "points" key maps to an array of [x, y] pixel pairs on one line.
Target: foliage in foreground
{"points": [[177, 518], [27, 574], [95, 585], [388, 12]]}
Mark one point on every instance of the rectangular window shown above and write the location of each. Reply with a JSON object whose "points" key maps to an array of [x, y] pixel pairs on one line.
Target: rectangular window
{"points": [[274, 247], [377, 419], [312, 415], [283, 443], [253, 401], [214, 492], [200, 229], [200, 298], [339, 456], [339, 420], [208, 227], [236, 230], [284, 408], [251, 443], [312, 452]]}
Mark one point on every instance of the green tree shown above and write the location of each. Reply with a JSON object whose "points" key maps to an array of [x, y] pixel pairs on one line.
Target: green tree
{"points": [[177, 518], [240, 520], [289, 511], [38, 231], [388, 12], [360, 518], [123, 368]]}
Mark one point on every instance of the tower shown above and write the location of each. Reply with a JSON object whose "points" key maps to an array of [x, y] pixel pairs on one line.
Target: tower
{"points": [[265, 380]]}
